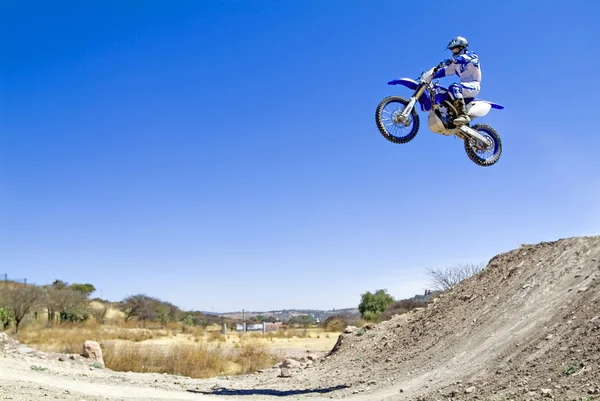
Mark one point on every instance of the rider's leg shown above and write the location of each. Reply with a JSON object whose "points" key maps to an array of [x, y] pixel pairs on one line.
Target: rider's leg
{"points": [[457, 93]]}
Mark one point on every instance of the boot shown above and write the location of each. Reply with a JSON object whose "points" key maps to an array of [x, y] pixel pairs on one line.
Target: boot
{"points": [[460, 106]]}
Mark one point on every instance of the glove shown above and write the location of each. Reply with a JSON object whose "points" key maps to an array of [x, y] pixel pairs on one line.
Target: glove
{"points": [[448, 61]]}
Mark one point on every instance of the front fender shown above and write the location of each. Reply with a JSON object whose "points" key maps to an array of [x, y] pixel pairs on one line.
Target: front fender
{"points": [[409, 83]]}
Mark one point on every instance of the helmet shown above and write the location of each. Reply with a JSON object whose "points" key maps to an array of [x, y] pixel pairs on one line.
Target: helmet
{"points": [[459, 42]]}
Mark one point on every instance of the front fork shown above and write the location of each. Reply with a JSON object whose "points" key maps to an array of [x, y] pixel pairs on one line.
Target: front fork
{"points": [[403, 116]]}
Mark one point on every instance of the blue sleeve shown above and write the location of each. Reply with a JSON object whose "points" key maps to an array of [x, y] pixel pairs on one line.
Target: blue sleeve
{"points": [[441, 73], [466, 58]]}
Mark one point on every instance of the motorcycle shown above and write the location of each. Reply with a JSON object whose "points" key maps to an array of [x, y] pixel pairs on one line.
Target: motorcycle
{"points": [[482, 143]]}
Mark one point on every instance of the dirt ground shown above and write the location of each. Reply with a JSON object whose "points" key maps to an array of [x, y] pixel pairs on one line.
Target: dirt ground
{"points": [[526, 328]]}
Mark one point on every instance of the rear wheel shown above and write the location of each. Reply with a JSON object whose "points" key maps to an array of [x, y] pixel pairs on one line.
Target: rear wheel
{"points": [[484, 156], [391, 125]]}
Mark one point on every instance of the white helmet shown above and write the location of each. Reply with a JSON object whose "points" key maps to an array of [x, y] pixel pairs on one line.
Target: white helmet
{"points": [[460, 42]]}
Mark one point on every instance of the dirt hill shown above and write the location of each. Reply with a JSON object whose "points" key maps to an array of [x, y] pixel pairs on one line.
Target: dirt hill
{"points": [[527, 327]]}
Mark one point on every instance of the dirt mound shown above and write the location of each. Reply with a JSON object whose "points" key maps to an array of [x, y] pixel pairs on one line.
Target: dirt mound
{"points": [[528, 323], [525, 327]]}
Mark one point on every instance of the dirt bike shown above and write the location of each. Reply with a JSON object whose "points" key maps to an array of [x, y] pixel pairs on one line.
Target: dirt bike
{"points": [[482, 143]]}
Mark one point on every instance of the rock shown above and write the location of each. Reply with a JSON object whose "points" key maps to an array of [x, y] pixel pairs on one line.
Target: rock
{"points": [[92, 350], [290, 364], [285, 373], [582, 289], [369, 326], [469, 390], [350, 329], [61, 359], [546, 392], [24, 350]]}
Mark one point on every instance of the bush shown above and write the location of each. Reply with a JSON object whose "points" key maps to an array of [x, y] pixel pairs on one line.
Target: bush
{"points": [[372, 305], [402, 306], [6, 318], [335, 323], [444, 279]]}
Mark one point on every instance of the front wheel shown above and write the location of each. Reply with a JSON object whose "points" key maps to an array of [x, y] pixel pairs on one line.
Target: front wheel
{"points": [[476, 152], [388, 122]]}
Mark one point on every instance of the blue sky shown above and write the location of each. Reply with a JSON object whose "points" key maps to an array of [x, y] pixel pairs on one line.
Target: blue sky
{"points": [[224, 155]]}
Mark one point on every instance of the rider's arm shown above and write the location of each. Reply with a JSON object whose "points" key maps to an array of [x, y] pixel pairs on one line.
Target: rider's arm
{"points": [[444, 72], [440, 73]]}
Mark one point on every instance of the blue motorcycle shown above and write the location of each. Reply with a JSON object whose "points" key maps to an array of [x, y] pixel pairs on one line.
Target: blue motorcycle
{"points": [[398, 121]]}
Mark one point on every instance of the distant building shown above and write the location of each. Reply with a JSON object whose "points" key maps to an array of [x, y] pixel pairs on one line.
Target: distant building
{"points": [[264, 327]]}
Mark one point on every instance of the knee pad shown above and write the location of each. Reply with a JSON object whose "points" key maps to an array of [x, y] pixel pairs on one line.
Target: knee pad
{"points": [[455, 91]]}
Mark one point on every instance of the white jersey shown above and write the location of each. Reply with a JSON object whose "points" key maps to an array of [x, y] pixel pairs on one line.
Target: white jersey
{"points": [[466, 66]]}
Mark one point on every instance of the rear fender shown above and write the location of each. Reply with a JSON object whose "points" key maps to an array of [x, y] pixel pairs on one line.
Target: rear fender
{"points": [[492, 104], [495, 105], [478, 108]]}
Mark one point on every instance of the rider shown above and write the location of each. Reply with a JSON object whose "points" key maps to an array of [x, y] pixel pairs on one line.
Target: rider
{"points": [[465, 64]]}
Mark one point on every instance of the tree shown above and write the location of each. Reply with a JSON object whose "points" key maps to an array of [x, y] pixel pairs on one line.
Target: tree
{"points": [[87, 289], [140, 306], [167, 312], [188, 322], [59, 284], [70, 304], [302, 320], [444, 279], [371, 305], [68, 300], [21, 300]]}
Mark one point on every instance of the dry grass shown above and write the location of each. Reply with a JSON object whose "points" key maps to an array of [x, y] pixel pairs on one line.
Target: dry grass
{"points": [[197, 352], [69, 338], [192, 360], [215, 336], [288, 334], [252, 355]]}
